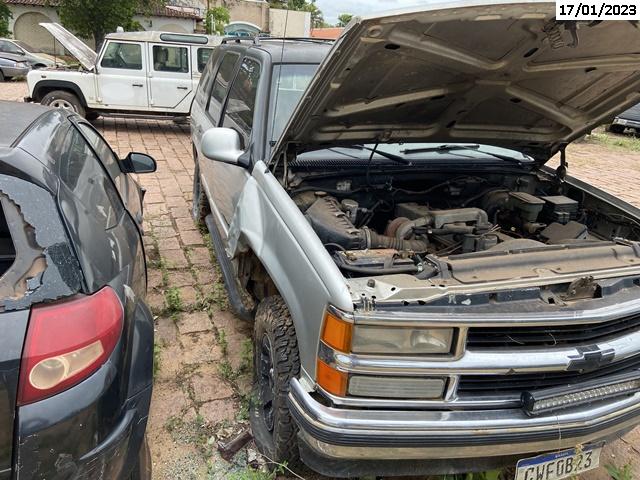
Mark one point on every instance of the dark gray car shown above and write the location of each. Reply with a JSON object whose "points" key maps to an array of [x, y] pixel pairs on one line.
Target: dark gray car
{"points": [[76, 338]]}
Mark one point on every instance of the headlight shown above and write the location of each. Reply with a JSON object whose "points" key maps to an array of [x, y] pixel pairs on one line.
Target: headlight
{"points": [[401, 340]]}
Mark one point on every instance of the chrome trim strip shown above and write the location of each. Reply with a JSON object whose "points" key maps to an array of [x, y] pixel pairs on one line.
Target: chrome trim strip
{"points": [[409, 317], [485, 361]]}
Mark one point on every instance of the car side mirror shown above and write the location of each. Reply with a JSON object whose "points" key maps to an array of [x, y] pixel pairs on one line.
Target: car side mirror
{"points": [[138, 163], [222, 145]]}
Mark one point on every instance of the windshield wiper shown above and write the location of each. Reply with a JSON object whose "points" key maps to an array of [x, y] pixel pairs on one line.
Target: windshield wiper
{"points": [[382, 153], [453, 147]]}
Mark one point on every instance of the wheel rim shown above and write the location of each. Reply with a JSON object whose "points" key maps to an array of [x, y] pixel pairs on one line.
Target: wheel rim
{"points": [[60, 103], [267, 381]]}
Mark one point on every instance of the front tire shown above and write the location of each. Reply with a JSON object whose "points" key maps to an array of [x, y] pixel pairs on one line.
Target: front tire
{"points": [[616, 128], [276, 361], [64, 100]]}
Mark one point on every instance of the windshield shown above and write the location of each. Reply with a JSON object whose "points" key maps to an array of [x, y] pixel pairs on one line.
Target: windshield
{"points": [[290, 82], [27, 47]]}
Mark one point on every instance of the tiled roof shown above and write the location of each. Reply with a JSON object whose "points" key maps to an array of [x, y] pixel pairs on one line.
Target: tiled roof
{"points": [[330, 33], [158, 11]]}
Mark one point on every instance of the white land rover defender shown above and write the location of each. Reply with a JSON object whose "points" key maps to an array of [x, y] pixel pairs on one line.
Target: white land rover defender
{"points": [[135, 73]]}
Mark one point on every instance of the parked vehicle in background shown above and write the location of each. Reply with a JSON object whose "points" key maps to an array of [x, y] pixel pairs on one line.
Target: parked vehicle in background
{"points": [[135, 73], [628, 119], [34, 57], [12, 66], [427, 296], [76, 338]]}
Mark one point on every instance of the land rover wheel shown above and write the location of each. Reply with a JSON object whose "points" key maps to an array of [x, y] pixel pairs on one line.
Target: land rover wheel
{"points": [[276, 362], [64, 100], [200, 206]]}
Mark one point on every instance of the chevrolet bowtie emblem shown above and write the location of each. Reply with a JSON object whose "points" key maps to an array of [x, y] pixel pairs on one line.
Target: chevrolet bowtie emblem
{"points": [[590, 358]]}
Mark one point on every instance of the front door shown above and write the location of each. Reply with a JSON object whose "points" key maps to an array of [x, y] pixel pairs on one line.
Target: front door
{"points": [[122, 77], [170, 84]]}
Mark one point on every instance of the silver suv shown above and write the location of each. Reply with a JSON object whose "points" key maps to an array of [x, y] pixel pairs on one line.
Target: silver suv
{"points": [[428, 296]]}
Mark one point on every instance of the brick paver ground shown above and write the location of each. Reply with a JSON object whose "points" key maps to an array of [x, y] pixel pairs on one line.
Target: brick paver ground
{"points": [[202, 382]]}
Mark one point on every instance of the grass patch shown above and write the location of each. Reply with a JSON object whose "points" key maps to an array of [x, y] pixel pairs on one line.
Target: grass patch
{"points": [[626, 142], [222, 341], [246, 356], [226, 370], [157, 349], [173, 300], [619, 473]]}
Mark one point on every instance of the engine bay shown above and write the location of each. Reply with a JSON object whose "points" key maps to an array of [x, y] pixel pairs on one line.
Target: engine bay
{"points": [[402, 225]]}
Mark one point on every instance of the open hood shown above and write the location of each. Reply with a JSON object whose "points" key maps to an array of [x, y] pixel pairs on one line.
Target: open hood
{"points": [[85, 55], [492, 72]]}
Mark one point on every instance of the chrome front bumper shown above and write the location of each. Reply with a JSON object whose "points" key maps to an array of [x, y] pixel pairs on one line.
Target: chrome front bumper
{"points": [[411, 434]]}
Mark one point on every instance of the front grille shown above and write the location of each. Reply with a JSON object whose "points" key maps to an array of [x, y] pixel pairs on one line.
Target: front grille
{"points": [[546, 336], [516, 383]]}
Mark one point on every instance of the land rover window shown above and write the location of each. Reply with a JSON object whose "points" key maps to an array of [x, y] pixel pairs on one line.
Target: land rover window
{"points": [[221, 84], [126, 56], [170, 59], [203, 56], [242, 98]]}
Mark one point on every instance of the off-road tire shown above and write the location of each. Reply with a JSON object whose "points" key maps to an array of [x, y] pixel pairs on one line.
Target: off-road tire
{"points": [[616, 128], [92, 115], [200, 207], [57, 98], [273, 322]]}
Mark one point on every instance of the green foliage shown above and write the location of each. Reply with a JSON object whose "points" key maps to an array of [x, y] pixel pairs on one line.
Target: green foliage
{"points": [[216, 19], [317, 18], [157, 349], [249, 474], [344, 19], [5, 16], [617, 473], [96, 18], [172, 297]]}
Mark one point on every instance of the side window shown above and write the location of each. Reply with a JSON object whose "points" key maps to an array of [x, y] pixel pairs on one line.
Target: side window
{"points": [[204, 87], [127, 56], [221, 84], [203, 57], [242, 98], [170, 59], [82, 173], [103, 150]]}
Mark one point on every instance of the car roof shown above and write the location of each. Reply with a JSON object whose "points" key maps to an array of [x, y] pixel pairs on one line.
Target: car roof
{"points": [[15, 118], [286, 50]]}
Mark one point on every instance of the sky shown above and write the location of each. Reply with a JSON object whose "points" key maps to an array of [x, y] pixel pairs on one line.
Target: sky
{"points": [[332, 8]]}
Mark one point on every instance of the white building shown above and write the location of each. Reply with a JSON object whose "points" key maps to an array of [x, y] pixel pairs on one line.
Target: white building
{"points": [[28, 14]]}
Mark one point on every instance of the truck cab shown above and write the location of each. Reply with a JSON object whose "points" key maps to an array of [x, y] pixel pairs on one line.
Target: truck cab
{"points": [[134, 73]]}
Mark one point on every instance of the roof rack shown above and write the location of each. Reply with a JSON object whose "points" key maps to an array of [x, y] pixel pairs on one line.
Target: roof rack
{"points": [[255, 40]]}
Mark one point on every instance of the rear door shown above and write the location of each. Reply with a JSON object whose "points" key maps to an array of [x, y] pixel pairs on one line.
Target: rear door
{"points": [[122, 77], [170, 85]]}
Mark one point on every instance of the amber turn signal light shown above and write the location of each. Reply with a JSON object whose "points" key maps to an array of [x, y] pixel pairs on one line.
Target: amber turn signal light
{"points": [[331, 380], [337, 333]]}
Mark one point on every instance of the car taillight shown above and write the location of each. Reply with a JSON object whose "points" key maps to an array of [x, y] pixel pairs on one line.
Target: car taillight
{"points": [[67, 342]]}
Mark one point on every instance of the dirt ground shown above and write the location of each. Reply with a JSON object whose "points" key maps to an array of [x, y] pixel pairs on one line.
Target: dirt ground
{"points": [[203, 351]]}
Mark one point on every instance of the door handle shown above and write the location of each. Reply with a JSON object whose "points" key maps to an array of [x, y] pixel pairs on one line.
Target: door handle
{"points": [[137, 84], [183, 88]]}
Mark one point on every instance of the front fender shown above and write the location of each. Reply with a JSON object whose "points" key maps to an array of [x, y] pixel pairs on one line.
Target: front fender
{"points": [[267, 221]]}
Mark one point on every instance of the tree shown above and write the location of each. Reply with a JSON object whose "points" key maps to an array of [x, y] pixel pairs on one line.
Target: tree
{"points": [[317, 18], [5, 16], [344, 19], [96, 18], [217, 18]]}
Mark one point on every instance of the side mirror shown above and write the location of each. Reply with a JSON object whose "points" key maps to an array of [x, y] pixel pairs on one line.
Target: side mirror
{"points": [[222, 145], [138, 163]]}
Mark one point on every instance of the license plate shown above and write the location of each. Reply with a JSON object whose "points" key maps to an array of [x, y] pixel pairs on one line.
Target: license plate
{"points": [[558, 465]]}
